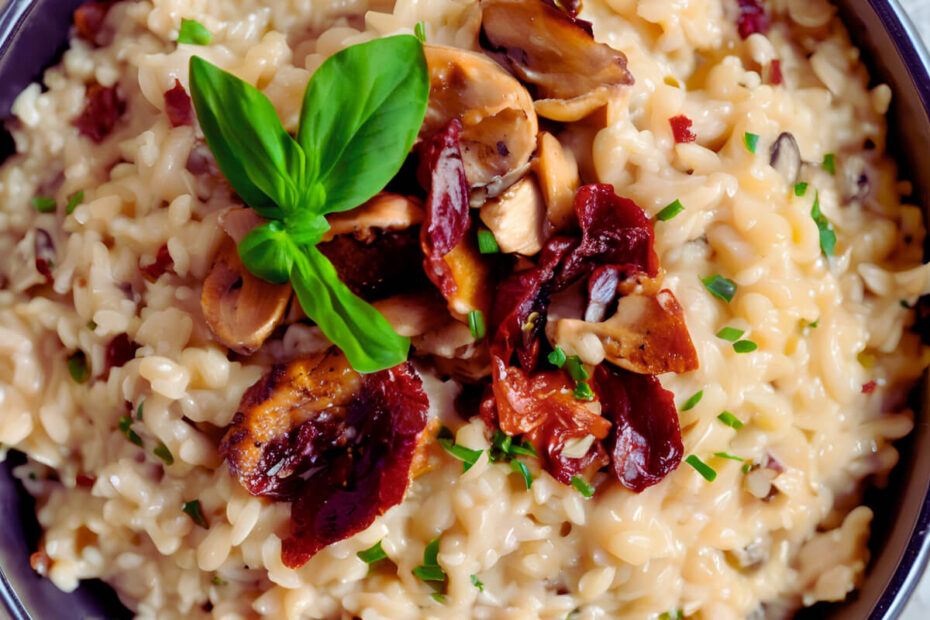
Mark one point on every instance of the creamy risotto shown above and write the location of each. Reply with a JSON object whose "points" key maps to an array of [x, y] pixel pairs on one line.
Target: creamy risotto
{"points": [[653, 262]]}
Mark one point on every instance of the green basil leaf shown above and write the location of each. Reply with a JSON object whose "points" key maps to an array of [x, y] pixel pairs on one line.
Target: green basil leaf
{"points": [[352, 324], [267, 252], [261, 161], [361, 113]]}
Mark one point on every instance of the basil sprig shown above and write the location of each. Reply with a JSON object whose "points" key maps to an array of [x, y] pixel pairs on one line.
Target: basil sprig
{"points": [[361, 113]]}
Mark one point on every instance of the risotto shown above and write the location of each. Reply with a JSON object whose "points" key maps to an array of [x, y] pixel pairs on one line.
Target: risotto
{"points": [[627, 333]]}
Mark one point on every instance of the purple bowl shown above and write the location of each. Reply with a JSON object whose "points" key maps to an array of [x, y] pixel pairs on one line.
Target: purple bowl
{"points": [[33, 34]]}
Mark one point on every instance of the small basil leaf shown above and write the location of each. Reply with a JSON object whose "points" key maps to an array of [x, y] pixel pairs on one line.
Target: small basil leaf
{"points": [[306, 228], [380, 89], [257, 156], [267, 252], [352, 324]]}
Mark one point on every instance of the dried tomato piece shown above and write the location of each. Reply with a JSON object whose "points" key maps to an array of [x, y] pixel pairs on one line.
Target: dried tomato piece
{"points": [[387, 264], [89, 17], [83, 480], [338, 444], [775, 76], [752, 18], [45, 254], [178, 106], [644, 443], [869, 387], [119, 351], [163, 262], [681, 129], [102, 109]]}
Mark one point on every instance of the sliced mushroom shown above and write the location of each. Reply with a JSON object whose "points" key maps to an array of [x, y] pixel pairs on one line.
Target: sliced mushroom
{"points": [[385, 211], [471, 275], [518, 218], [241, 309], [646, 335], [499, 123], [786, 157], [557, 172], [414, 314], [547, 47], [856, 182]]}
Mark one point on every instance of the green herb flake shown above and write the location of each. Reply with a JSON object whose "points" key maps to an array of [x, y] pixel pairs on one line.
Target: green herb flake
{"points": [[745, 346], [730, 334], [701, 467], [582, 486], [125, 427], [675, 614], [904, 304], [476, 324], [73, 201], [747, 467], [477, 582], [372, 554], [139, 409], [800, 189], [32, 475], [439, 597], [720, 287], [524, 447], [829, 163], [557, 357], [467, 455], [500, 445], [218, 581], [814, 324], [487, 244], [77, 367], [730, 420], [751, 140], [44, 205], [192, 509], [193, 32], [419, 30], [827, 235], [693, 400], [583, 391], [162, 452], [430, 570], [670, 211], [726, 455], [522, 469], [92, 325], [575, 368]]}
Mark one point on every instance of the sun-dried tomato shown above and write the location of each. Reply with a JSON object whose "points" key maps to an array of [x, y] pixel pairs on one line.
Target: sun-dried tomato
{"points": [[102, 109], [752, 18], [178, 106], [775, 76], [118, 351], [387, 264], [868, 388], [45, 254], [681, 129], [644, 443], [163, 262], [83, 480], [88, 19]]}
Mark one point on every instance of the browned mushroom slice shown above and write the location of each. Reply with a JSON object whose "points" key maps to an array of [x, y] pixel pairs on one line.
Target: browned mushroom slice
{"points": [[558, 177], [647, 335], [241, 309], [518, 218], [545, 46], [386, 211], [499, 123]]}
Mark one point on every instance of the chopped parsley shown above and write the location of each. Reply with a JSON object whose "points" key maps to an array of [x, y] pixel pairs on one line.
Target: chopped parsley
{"points": [[218, 581], [419, 30], [372, 554], [800, 189], [44, 205], [476, 324], [487, 244], [670, 211], [193, 32], [73, 201], [730, 334], [583, 391], [727, 455], [730, 420], [162, 452], [583, 486], [467, 455], [77, 367], [827, 235], [720, 287], [125, 427], [829, 163], [575, 368], [477, 582], [557, 357], [745, 346], [522, 469], [693, 400], [701, 467], [192, 509], [751, 140]]}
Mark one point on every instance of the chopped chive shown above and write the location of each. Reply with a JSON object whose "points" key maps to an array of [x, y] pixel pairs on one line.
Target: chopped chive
{"points": [[92, 325], [162, 452], [829, 163], [827, 235], [675, 614], [139, 409], [194, 33], [476, 324], [524, 447], [726, 455], [583, 391], [670, 211], [751, 140], [814, 324], [420, 31], [730, 334], [720, 287], [521, 469], [439, 597], [701, 467], [430, 570], [692, 401], [192, 509], [800, 189], [477, 582], [730, 420], [44, 205], [745, 346], [372, 554], [575, 368], [583, 486], [469, 456], [218, 581], [747, 467], [500, 445], [904, 304], [73, 201], [487, 244], [125, 427], [77, 367], [557, 358]]}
